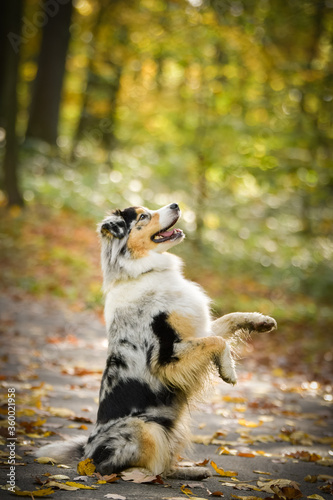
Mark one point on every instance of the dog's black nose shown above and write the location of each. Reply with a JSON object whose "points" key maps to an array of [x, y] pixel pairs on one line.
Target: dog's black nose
{"points": [[174, 206]]}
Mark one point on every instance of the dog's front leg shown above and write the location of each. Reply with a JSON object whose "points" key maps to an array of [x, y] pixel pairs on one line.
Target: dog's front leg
{"points": [[192, 361], [239, 326]]}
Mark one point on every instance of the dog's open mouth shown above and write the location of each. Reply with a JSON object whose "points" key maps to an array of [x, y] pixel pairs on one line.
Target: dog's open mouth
{"points": [[167, 234]]}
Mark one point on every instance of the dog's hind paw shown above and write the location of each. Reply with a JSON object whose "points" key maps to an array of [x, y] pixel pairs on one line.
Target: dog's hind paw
{"points": [[189, 473]]}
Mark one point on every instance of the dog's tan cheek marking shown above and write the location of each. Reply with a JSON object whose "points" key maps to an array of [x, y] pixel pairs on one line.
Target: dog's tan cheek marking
{"points": [[182, 324], [139, 241]]}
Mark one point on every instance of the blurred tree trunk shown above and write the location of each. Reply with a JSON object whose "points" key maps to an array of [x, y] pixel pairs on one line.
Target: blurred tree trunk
{"points": [[90, 81], [89, 126], [11, 21], [47, 88]]}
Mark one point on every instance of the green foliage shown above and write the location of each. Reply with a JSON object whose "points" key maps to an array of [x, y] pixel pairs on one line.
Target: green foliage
{"points": [[224, 107]]}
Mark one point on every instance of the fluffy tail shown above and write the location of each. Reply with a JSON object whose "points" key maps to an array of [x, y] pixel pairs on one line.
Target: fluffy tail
{"points": [[64, 451]]}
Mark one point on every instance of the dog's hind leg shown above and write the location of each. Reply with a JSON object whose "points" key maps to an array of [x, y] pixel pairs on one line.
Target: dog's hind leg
{"points": [[133, 443], [237, 327]]}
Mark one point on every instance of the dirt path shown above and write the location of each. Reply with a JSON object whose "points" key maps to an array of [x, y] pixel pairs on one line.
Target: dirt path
{"points": [[267, 428]]}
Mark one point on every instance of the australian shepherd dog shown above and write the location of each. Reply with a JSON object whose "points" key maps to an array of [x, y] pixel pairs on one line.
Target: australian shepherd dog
{"points": [[162, 345]]}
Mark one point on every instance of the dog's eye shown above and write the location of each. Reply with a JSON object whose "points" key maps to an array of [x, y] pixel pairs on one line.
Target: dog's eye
{"points": [[143, 216]]}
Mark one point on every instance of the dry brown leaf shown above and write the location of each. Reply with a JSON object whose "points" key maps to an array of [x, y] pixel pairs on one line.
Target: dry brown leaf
{"points": [[283, 488], [305, 456], [138, 476], [311, 479], [108, 478]]}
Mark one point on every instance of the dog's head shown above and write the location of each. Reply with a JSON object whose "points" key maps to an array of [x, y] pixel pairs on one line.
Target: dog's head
{"points": [[138, 231]]}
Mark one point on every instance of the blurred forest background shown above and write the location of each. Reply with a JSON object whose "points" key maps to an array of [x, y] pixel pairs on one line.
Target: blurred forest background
{"points": [[224, 106]]}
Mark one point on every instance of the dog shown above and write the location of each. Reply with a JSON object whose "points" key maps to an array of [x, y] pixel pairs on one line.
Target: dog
{"points": [[162, 346]]}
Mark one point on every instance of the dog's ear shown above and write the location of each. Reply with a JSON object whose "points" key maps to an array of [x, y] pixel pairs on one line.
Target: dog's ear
{"points": [[117, 229]]}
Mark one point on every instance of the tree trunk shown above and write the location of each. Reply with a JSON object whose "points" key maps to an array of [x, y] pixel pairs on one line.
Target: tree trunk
{"points": [[47, 88], [12, 16]]}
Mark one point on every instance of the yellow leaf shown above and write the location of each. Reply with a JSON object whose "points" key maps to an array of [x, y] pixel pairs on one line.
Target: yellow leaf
{"points": [[222, 472], [86, 467], [61, 412], [316, 497], [37, 493], [248, 423], [186, 490], [234, 399], [61, 486], [45, 460], [80, 486]]}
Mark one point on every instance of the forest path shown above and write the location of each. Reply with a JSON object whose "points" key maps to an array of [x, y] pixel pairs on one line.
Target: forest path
{"points": [[267, 428]]}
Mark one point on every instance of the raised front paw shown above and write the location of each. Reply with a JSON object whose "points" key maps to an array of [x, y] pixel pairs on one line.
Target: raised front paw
{"points": [[226, 367], [257, 322]]}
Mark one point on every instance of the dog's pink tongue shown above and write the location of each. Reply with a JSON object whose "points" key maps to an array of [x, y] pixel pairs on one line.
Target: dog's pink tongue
{"points": [[166, 234]]}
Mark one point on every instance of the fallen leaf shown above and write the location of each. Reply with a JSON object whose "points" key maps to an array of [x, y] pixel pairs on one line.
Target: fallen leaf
{"points": [[80, 486], [305, 456], [311, 479], [234, 399], [86, 467], [216, 494], [261, 472], [249, 423], [246, 497], [325, 477], [316, 497], [61, 412], [246, 487], [283, 488], [247, 455], [61, 486], [37, 493], [114, 496], [58, 476], [186, 490], [138, 476], [108, 479], [328, 462], [45, 460], [222, 472]]}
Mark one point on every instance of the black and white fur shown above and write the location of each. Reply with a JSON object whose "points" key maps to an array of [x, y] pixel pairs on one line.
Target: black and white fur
{"points": [[162, 345]]}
